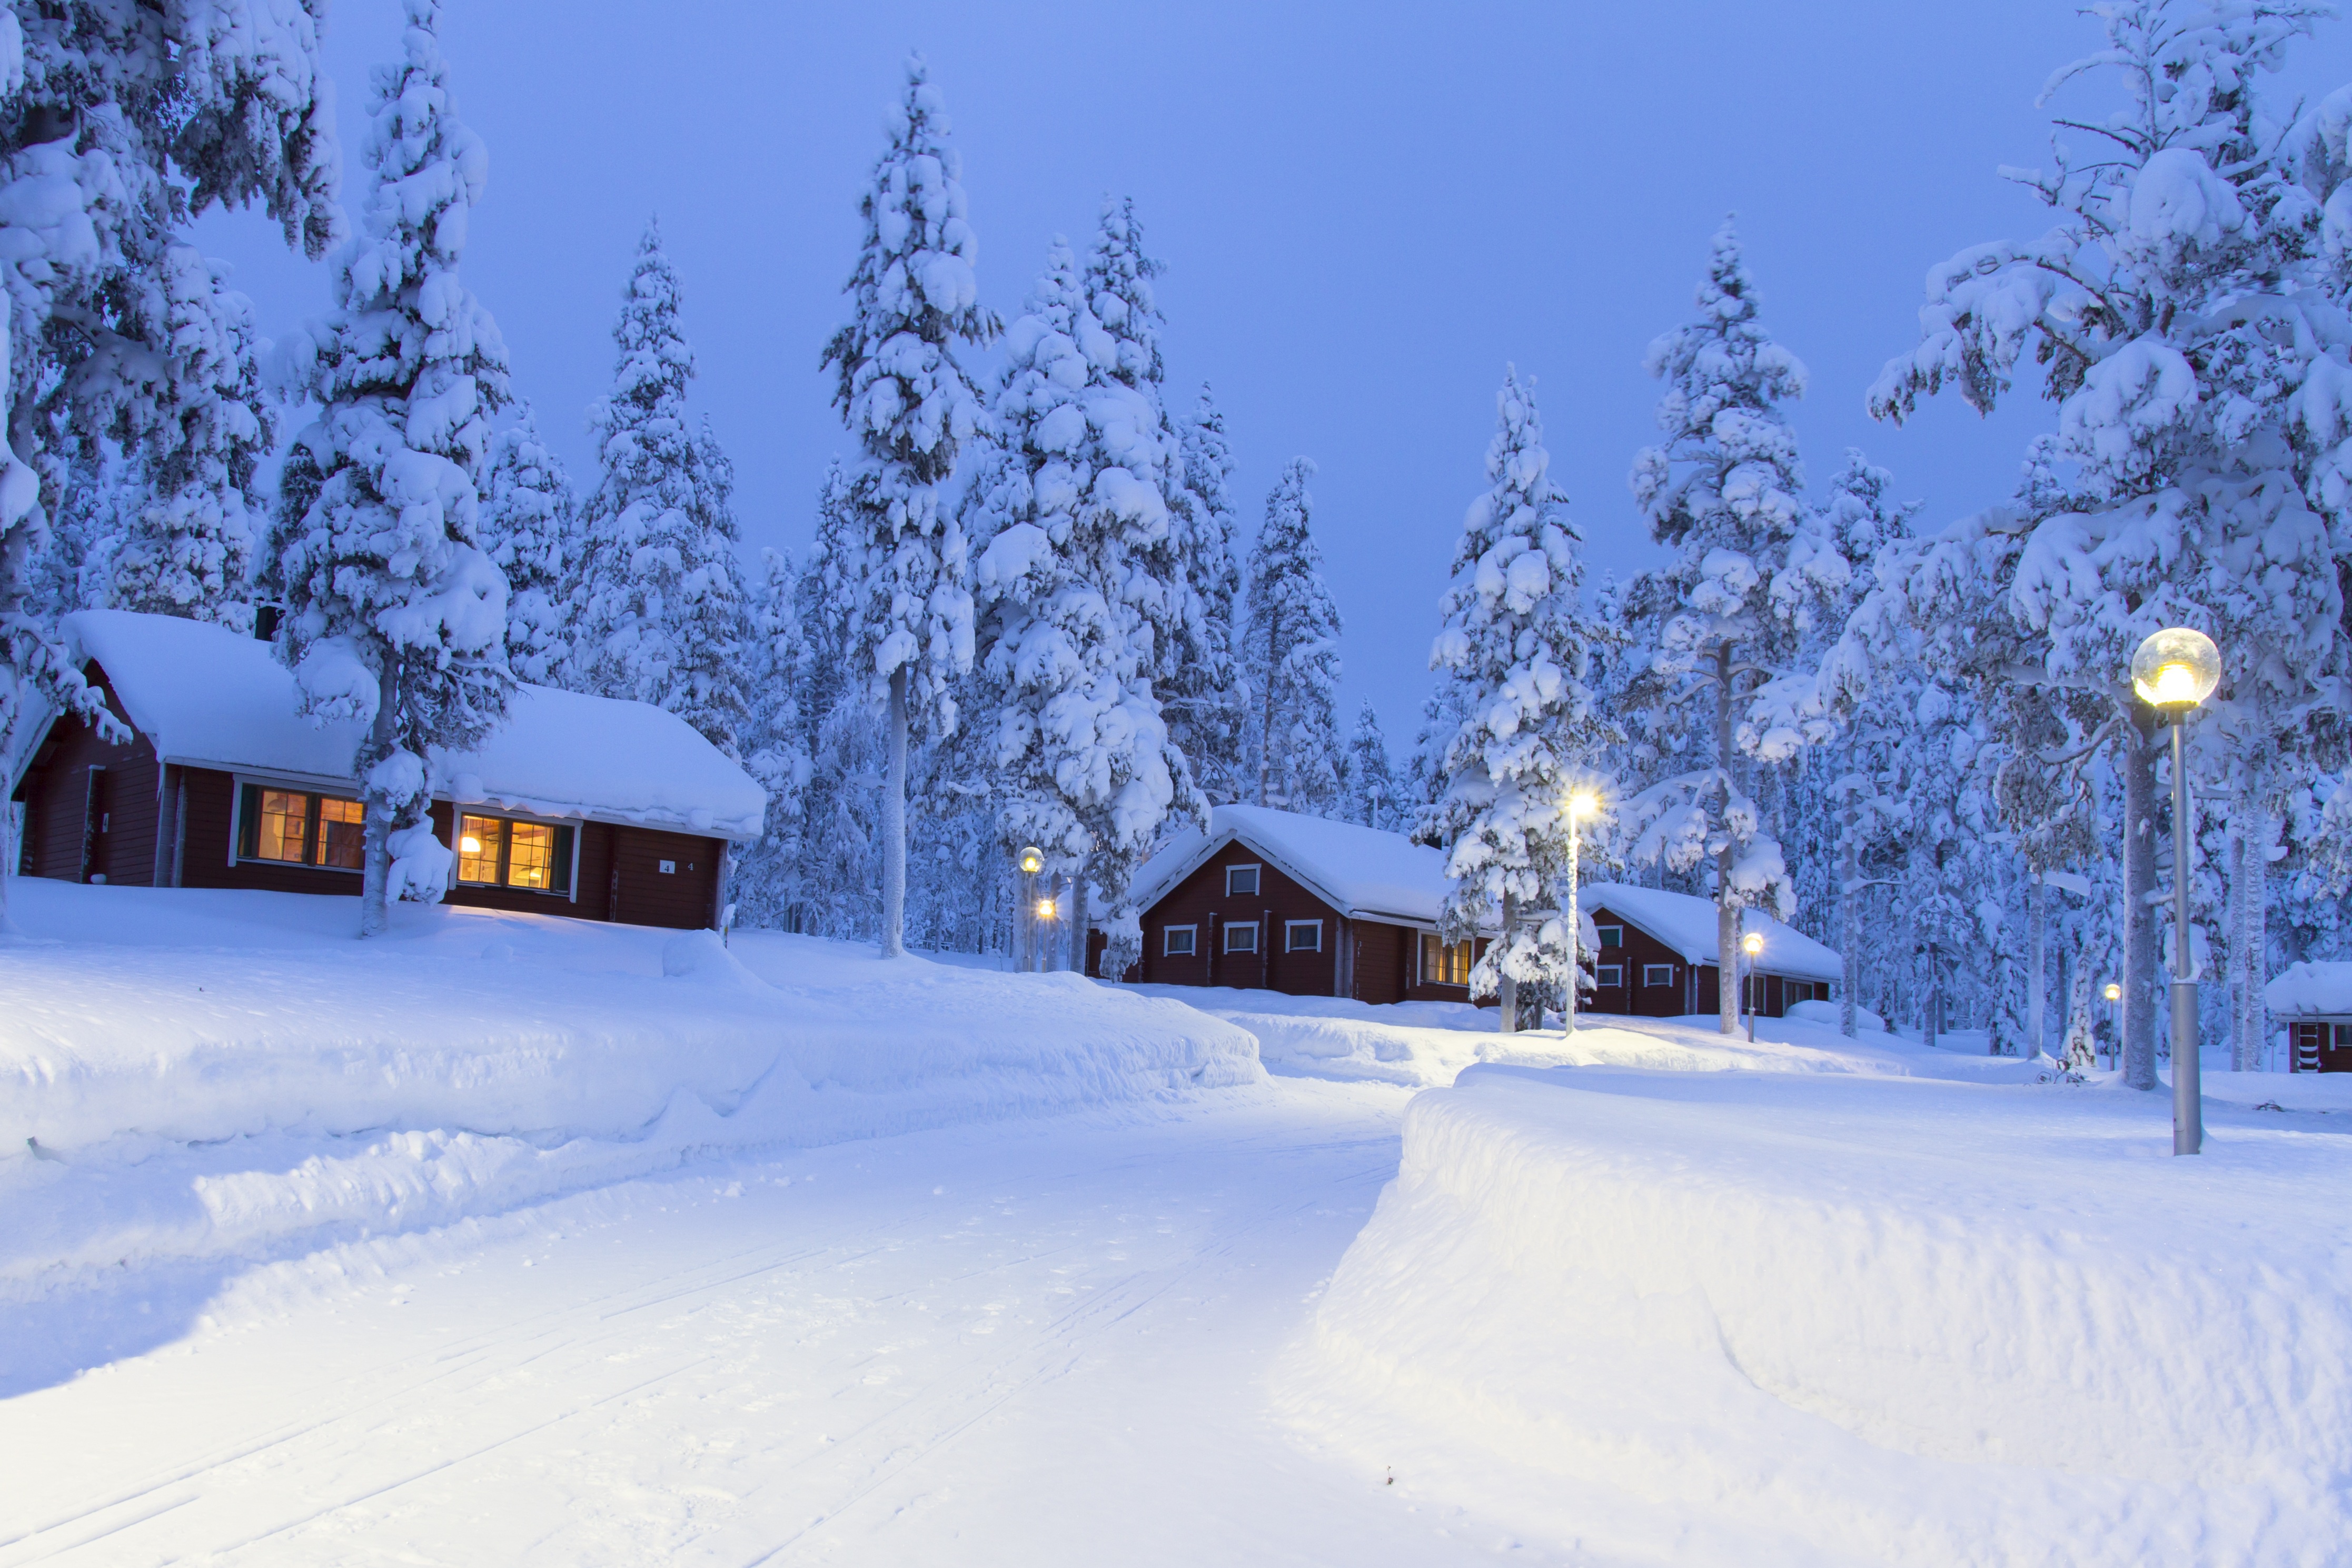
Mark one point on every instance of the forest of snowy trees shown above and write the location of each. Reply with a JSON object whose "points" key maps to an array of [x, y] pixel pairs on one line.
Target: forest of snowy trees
{"points": [[1029, 613]]}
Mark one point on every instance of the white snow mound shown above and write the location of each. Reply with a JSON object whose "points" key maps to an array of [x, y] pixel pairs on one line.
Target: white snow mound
{"points": [[1773, 1317]]}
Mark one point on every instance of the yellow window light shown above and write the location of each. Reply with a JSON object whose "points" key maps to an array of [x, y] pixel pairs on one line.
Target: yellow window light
{"points": [[470, 845]]}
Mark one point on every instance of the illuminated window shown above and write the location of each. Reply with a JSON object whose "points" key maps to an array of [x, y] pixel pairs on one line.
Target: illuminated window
{"points": [[499, 852], [1241, 936], [342, 833], [1302, 936], [295, 828], [1444, 964], [1177, 943], [1241, 881]]}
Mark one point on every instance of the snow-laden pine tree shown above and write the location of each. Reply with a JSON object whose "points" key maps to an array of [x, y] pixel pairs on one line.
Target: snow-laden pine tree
{"points": [[2183, 304], [766, 881], [1204, 697], [1516, 640], [1290, 651], [530, 526], [124, 123], [660, 599], [1082, 587], [395, 617], [911, 407], [837, 866], [1370, 794], [1752, 580]]}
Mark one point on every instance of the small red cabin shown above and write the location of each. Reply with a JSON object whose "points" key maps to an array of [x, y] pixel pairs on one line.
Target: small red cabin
{"points": [[576, 806], [1659, 958]]}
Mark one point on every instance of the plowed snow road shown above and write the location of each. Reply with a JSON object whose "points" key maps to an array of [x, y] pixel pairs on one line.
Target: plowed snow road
{"points": [[1037, 1344]]}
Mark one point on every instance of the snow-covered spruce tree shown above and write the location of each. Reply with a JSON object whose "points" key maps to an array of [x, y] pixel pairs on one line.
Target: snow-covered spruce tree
{"points": [[767, 876], [660, 600], [395, 617], [1515, 637], [837, 871], [1370, 794], [530, 526], [2183, 304], [1204, 697], [122, 125], [1080, 582], [1727, 621], [1290, 650], [910, 407]]}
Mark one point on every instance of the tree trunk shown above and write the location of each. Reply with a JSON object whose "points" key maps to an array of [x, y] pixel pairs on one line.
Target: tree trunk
{"points": [[1078, 931], [2037, 983], [1266, 714], [894, 824], [1506, 987], [2249, 896], [1727, 904], [2140, 920], [1850, 960], [9, 858], [1934, 1023], [376, 812]]}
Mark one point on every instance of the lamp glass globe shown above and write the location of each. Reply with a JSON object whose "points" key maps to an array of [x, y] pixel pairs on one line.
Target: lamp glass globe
{"points": [[2176, 668]]}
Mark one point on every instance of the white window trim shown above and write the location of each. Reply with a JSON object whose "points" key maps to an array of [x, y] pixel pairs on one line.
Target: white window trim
{"points": [[1249, 926], [1258, 892], [1604, 931], [1602, 972], [459, 810], [1289, 926], [1649, 984], [1168, 931]]}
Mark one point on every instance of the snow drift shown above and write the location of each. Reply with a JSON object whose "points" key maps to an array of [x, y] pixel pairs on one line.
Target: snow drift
{"points": [[222, 1073], [1832, 1319]]}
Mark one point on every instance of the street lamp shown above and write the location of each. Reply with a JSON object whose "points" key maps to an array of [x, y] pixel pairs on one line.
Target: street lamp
{"points": [[2174, 671], [1751, 945], [1581, 805], [1030, 862], [2114, 995]]}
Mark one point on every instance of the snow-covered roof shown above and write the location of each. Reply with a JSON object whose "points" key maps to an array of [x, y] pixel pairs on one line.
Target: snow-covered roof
{"points": [[206, 697], [1362, 872], [2311, 991], [1686, 924]]}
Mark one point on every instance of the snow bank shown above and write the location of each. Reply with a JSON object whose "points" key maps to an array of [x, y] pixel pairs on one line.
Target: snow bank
{"points": [[214, 1072], [1428, 1044], [1769, 1317], [2310, 990]]}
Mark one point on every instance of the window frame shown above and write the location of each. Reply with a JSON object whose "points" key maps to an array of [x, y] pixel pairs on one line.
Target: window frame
{"points": [[245, 822], [1650, 969], [1232, 926], [1431, 942], [1611, 935], [1256, 889], [1191, 948], [1290, 937], [1601, 973], [563, 854]]}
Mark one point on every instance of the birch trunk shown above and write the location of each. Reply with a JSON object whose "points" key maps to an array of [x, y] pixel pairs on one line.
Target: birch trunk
{"points": [[1506, 986], [376, 810], [2138, 762], [1727, 905], [2037, 981], [1849, 958], [893, 825]]}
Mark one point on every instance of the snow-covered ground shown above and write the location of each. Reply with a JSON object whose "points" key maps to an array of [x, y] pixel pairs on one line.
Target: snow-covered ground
{"points": [[518, 1241], [1755, 1317]]}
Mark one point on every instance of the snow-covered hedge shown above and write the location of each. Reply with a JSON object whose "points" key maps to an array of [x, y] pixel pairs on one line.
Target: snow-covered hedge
{"points": [[1771, 1318]]}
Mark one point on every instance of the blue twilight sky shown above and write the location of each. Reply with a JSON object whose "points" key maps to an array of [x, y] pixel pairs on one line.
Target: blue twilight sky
{"points": [[1365, 210]]}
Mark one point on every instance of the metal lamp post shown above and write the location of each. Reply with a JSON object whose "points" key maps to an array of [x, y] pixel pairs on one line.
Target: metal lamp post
{"points": [[2114, 995], [1581, 805], [1031, 860], [2174, 671], [1751, 945]]}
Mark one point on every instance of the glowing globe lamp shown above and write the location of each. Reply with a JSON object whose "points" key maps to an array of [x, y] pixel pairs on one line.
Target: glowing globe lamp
{"points": [[2176, 668]]}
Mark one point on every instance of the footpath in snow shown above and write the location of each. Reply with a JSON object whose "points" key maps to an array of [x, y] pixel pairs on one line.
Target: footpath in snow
{"points": [[193, 1081], [1847, 1318]]}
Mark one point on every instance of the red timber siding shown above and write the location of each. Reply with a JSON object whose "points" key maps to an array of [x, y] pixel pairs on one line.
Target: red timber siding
{"points": [[1200, 901], [91, 808], [619, 874], [1640, 950], [1384, 957]]}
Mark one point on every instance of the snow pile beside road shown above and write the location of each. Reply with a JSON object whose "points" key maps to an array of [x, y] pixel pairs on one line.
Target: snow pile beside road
{"points": [[221, 1073], [1428, 1044], [1771, 1318]]}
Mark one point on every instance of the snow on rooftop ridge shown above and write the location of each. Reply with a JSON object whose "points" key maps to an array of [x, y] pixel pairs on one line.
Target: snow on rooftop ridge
{"points": [[2310, 990], [1686, 924], [1362, 871], [206, 696]]}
